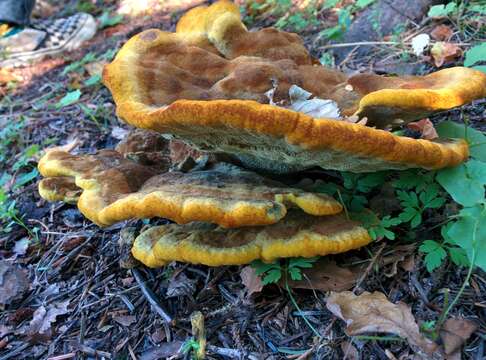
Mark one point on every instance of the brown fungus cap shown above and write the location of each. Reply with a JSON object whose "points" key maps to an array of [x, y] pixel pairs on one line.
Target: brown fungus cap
{"points": [[62, 188], [207, 84], [299, 235], [117, 189], [146, 147]]}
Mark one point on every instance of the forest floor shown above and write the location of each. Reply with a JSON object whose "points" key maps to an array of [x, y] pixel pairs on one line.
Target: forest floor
{"points": [[69, 296]]}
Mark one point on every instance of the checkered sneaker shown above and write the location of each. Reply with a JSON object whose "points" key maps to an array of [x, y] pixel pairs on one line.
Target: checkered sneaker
{"points": [[60, 35]]}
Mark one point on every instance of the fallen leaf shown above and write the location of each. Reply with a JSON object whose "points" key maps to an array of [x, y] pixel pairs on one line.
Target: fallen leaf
{"points": [[300, 100], [7, 75], [420, 43], [163, 351], [125, 320], [95, 68], [372, 312], [441, 33], [119, 133], [5, 330], [325, 275], [180, 285], [21, 246], [43, 318], [252, 282], [13, 282], [52, 289], [390, 260], [20, 315], [425, 127], [349, 351], [72, 243], [443, 52], [455, 332], [408, 264], [158, 335]]}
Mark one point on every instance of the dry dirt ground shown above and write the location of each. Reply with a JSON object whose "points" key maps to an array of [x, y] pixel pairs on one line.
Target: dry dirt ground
{"points": [[78, 302]]}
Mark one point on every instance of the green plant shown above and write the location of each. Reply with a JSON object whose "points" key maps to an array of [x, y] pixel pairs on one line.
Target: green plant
{"points": [[190, 346], [107, 20], [378, 228], [292, 20], [70, 98], [442, 10], [476, 55], [273, 272], [292, 267], [10, 215], [414, 204], [345, 17], [77, 65], [9, 135], [93, 80], [86, 6]]}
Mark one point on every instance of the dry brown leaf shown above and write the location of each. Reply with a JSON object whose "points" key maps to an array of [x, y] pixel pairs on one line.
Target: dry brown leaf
{"points": [[21, 246], [372, 312], [408, 264], [7, 75], [180, 285], [349, 351], [455, 332], [95, 68], [125, 320], [119, 133], [40, 325], [441, 33], [20, 315], [396, 256], [325, 275], [13, 282], [443, 52], [251, 280], [425, 127]]}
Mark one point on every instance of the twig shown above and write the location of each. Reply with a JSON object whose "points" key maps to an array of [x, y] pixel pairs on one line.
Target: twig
{"points": [[93, 352], [373, 43], [150, 296], [231, 353], [368, 268], [63, 357], [15, 352]]}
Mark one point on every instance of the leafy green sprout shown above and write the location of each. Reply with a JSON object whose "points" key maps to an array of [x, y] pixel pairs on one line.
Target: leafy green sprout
{"points": [[272, 273], [190, 346], [9, 214], [345, 17]]}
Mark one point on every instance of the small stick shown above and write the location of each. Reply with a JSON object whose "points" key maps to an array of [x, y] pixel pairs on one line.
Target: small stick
{"points": [[93, 352], [231, 353], [372, 43], [150, 296], [63, 357], [368, 268]]}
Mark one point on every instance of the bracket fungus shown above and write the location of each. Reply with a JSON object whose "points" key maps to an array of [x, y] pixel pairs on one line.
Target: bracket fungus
{"points": [[299, 235], [116, 189], [208, 84], [257, 97]]}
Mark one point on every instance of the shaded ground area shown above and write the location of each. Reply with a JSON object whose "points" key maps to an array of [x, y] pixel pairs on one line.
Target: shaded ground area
{"points": [[76, 301]]}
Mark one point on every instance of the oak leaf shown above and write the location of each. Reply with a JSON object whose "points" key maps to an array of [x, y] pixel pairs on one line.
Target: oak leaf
{"points": [[373, 313]]}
